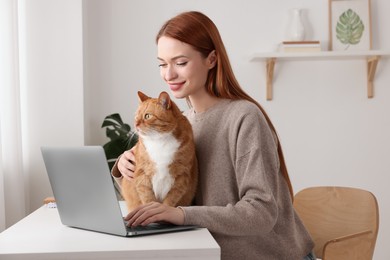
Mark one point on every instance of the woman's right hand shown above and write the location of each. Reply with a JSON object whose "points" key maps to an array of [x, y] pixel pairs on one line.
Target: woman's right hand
{"points": [[126, 164]]}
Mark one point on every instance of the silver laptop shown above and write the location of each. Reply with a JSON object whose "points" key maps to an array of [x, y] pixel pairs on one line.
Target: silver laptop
{"points": [[85, 194]]}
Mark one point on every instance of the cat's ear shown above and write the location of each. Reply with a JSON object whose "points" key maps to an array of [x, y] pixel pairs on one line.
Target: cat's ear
{"points": [[142, 96], [164, 100]]}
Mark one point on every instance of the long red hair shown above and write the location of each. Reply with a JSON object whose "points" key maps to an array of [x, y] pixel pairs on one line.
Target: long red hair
{"points": [[197, 30]]}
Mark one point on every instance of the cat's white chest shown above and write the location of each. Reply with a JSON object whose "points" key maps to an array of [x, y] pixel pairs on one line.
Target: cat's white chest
{"points": [[161, 149]]}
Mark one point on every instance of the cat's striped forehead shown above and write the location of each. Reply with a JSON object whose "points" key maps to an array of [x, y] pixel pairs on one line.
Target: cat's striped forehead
{"points": [[153, 107], [150, 105]]}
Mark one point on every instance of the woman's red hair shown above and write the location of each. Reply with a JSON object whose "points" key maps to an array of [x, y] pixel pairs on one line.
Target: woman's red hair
{"points": [[197, 30]]}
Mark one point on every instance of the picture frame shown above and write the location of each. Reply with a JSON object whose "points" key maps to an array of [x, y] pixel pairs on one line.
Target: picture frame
{"points": [[350, 25]]}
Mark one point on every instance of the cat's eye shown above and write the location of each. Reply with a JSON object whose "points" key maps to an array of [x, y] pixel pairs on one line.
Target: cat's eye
{"points": [[147, 116]]}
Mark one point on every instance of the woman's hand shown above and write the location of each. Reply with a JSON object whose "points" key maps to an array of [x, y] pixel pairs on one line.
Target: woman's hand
{"points": [[155, 212], [126, 164]]}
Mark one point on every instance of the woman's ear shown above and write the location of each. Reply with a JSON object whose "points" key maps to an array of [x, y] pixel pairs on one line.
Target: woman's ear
{"points": [[212, 59]]}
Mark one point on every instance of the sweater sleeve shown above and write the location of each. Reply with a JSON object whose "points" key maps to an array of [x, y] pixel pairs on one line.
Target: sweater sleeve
{"points": [[255, 173], [116, 173]]}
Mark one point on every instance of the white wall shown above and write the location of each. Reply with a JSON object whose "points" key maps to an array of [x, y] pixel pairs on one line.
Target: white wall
{"points": [[331, 133], [52, 85]]}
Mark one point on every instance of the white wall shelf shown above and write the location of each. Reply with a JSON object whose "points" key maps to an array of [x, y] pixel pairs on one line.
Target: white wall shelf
{"points": [[372, 57]]}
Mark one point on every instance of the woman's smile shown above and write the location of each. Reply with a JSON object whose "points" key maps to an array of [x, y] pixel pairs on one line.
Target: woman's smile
{"points": [[176, 86]]}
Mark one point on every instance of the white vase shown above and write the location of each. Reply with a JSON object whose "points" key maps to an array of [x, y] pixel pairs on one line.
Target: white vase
{"points": [[296, 29]]}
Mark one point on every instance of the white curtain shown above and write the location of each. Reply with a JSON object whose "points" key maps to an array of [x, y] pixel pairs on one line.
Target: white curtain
{"points": [[12, 180]]}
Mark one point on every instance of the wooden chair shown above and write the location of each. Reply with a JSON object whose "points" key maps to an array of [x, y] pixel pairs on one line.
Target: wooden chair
{"points": [[343, 222]]}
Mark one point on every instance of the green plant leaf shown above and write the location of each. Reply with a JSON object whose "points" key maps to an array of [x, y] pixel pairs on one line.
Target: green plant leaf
{"points": [[349, 28], [114, 119], [121, 138], [115, 127], [113, 149]]}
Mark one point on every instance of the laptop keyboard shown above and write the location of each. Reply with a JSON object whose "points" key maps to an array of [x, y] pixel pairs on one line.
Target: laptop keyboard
{"points": [[153, 226]]}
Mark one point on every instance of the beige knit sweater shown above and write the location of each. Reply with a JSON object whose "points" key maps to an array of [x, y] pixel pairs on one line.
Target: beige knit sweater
{"points": [[243, 198]]}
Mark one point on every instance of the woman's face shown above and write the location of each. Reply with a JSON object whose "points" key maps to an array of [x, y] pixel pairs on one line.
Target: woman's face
{"points": [[183, 68]]}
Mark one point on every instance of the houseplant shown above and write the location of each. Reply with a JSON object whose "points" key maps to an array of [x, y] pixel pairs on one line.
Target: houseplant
{"points": [[121, 137]]}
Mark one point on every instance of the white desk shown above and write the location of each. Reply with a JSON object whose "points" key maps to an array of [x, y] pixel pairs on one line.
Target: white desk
{"points": [[41, 235]]}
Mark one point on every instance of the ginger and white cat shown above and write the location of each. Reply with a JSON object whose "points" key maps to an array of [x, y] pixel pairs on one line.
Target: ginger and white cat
{"points": [[166, 166]]}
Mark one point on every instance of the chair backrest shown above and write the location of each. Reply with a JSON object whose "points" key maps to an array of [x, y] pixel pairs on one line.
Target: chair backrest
{"points": [[331, 213]]}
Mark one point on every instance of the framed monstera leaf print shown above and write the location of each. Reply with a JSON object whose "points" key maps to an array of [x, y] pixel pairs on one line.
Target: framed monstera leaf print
{"points": [[350, 25]]}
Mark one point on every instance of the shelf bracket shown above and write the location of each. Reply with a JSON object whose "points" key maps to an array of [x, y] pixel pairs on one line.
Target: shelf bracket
{"points": [[372, 63], [270, 76]]}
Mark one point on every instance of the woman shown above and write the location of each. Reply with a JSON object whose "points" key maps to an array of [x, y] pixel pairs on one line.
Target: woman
{"points": [[244, 196]]}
